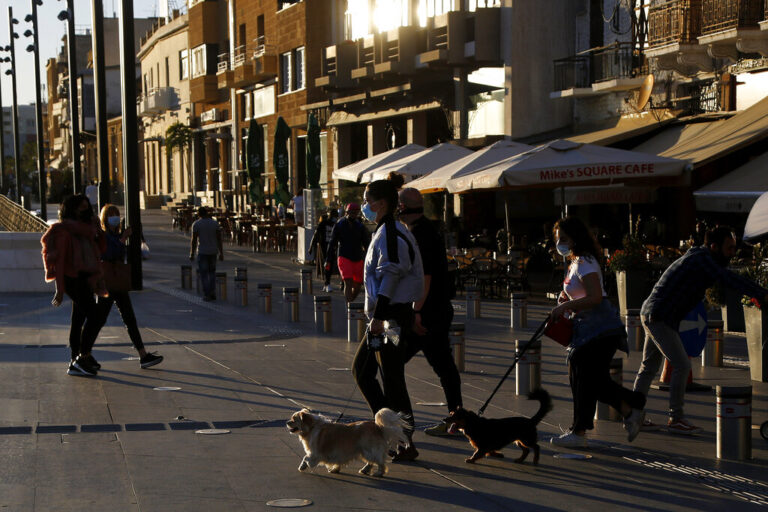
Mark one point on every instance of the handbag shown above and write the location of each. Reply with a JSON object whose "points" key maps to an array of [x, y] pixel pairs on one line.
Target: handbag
{"points": [[560, 331], [117, 276]]}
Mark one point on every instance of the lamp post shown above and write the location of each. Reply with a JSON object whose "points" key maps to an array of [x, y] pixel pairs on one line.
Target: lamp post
{"points": [[15, 114], [69, 16], [100, 99], [2, 125], [34, 48]]}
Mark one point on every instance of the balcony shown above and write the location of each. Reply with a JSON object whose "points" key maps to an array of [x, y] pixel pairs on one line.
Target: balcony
{"points": [[366, 57], [483, 43], [337, 64], [254, 63], [204, 89], [398, 49], [203, 26], [224, 73], [673, 30], [157, 101], [446, 35], [596, 71], [730, 26]]}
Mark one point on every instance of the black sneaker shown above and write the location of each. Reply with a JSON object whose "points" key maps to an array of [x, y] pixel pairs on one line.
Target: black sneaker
{"points": [[73, 370], [405, 454], [93, 362], [81, 364], [151, 360]]}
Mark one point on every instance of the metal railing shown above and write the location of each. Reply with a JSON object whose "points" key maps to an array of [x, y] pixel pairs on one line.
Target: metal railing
{"points": [[223, 65], [675, 21], [595, 65], [239, 59], [572, 73], [260, 47], [15, 218], [719, 15]]}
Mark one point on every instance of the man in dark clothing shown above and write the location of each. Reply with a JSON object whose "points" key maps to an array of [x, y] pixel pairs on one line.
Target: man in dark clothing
{"points": [[434, 312], [319, 244], [677, 292], [352, 239]]}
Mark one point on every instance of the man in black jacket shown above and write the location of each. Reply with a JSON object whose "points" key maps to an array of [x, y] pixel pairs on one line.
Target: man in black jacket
{"points": [[434, 312]]}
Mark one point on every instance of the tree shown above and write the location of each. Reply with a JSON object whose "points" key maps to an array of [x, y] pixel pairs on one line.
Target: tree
{"points": [[178, 136]]}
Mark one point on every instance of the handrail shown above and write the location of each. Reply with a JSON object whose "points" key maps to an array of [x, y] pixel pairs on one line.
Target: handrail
{"points": [[14, 217]]}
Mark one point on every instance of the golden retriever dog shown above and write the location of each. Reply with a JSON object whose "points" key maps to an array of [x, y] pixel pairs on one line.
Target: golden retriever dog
{"points": [[337, 444]]}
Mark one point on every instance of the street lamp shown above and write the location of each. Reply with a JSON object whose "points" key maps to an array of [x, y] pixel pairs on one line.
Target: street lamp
{"points": [[34, 48], [69, 16], [15, 115], [2, 132]]}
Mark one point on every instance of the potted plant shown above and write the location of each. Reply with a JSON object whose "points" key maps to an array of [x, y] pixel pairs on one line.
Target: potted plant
{"points": [[756, 320], [634, 272]]}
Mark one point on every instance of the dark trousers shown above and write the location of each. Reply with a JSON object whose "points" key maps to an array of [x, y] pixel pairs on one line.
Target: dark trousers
{"points": [[206, 266], [320, 264], [85, 322], [390, 360], [589, 374], [124, 306], [437, 349]]}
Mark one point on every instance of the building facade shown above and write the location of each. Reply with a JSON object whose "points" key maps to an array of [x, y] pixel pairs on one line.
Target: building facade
{"points": [[27, 127]]}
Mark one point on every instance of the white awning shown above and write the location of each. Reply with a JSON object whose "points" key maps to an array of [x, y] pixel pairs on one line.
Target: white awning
{"points": [[354, 171], [419, 164], [738, 190]]}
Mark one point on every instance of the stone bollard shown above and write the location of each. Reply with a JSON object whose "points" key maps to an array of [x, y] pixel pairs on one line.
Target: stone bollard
{"points": [[355, 321], [221, 285], [306, 281], [734, 422], [473, 303], [241, 285], [712, 355], [605, 411], [186, 276], [519, 311], [458, 345], [635, 331], [323, 314], [265, 297], [528, 368], [291, 304]]}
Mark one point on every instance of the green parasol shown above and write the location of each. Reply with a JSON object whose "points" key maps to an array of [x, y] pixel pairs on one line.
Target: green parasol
{"points": [[255, 163], [314, 162], [280, 161]]}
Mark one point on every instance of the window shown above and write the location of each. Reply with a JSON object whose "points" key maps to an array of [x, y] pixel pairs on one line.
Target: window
{"points": [[264, 101], [167, 73], [248, 109], [298, 75], [183, 64], [285, 73], [198, 61]]}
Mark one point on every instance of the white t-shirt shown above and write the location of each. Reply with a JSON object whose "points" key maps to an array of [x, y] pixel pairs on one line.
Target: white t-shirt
{"points": [[582, 266]]}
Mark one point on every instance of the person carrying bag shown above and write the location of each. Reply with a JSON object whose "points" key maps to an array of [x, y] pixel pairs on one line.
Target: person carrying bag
{"points": [[597, 332]]}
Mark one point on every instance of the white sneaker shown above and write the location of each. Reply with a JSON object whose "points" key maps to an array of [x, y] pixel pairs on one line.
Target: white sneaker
{"points": [[327, 288], [569, 440], [633, 422]]}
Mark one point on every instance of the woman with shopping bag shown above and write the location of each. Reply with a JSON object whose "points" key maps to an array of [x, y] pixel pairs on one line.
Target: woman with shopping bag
{"points": [[597, 333], [117, 275]]}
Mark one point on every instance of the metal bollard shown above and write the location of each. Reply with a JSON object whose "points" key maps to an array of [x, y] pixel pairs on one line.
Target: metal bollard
{"points": [[221, 285], [355, 321], [241, 285], [323, 314], [291, 304], [712, 355], [635, 331], [605, 411], [265, 297], [186, 276], [528, 368], [734, 422], [519, 308], [458, 345], [306, 281], [473, 303]]}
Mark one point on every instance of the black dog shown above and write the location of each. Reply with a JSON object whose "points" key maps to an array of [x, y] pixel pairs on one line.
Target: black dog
{"points": [[488, 436]]}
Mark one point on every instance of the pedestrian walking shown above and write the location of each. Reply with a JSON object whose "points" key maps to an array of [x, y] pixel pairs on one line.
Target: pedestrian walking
{"points": [[71, 252], [394, 280], [206, 239], [113, 258], [297, 203], [92, 193], [352, 239], [318, 247], [598, 332], [678, 291], [433, 313]]}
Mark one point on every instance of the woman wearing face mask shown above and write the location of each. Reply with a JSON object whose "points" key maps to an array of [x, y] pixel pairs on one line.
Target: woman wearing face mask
{"points": [[71, 250], [598, 332], [116, 238], [393, 279]]}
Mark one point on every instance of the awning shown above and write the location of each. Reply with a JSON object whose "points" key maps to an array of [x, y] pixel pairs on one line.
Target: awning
{"points": [[606, 194], [618, 129], [340, 118], [419, 164], [718, 138], [674, 135], [757, 222], [352, 172], [737, 191]]}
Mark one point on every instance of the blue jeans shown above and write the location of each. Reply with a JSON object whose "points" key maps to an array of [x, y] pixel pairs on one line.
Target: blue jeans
{"points": [[206, 266]]}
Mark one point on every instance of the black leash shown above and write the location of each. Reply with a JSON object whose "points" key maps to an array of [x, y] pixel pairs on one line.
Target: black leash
{"points": [[518, 356], [354, 385]]}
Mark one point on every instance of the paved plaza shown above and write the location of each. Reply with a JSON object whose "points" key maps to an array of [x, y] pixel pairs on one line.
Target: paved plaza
{"points": [[118, 443]]}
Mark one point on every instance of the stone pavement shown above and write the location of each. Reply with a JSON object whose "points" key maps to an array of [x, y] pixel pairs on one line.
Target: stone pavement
{"points": [[115, 443]]}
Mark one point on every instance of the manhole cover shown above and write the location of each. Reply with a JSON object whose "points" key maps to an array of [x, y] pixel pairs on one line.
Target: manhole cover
{"points": [[576, 456], [212, 431], [289, 503], [166, 388]]}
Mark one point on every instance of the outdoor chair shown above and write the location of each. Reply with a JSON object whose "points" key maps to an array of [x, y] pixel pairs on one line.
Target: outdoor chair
{"points": [[488, 275]]}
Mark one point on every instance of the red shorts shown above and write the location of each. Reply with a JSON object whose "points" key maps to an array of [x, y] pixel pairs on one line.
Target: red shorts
{"points": [[350, 269]]}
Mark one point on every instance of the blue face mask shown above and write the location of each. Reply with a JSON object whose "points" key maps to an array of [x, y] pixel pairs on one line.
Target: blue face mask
{"points": [[114, 221], [368, 213]]}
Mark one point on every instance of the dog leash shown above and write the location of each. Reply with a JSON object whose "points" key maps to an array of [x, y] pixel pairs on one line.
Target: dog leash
{"points": [[518, 356], [354, 384]]}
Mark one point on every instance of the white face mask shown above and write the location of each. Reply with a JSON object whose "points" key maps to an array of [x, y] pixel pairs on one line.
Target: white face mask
{"points": [[114, 221], [563, 249]]}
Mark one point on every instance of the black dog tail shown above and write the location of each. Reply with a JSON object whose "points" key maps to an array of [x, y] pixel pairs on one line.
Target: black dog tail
{"points": [[546, 404]]}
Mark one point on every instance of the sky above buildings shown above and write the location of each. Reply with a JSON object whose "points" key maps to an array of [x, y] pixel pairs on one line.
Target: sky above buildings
{"points": [[51, 32]]}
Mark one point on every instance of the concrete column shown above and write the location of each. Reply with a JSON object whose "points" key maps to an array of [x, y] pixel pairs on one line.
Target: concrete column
{"points": [[210, 163], [224, 164], [377, 141], [417, 129], [460, 114]]}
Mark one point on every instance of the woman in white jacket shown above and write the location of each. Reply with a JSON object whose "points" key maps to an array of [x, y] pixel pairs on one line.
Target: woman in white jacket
{"points": [[394, 279]]}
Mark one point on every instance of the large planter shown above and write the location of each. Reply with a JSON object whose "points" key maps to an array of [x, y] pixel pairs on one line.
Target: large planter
{"points": [[756, 323], [733, 311], [633, 287]]}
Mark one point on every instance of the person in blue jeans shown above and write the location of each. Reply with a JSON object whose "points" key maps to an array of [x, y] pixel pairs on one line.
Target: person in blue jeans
{"points": [[206, 239]]}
